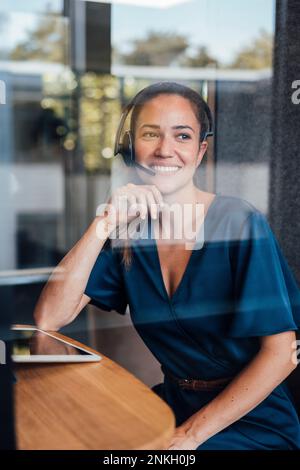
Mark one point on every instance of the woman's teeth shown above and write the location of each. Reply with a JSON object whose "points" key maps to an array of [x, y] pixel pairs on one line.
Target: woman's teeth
{"points": [[165, 169]]}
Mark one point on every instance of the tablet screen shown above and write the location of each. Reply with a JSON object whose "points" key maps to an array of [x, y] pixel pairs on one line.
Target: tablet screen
{"points": [[29, 345]]}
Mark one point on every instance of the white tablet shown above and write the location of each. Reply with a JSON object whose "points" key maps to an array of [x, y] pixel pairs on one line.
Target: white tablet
{"points": [[34, 345]]}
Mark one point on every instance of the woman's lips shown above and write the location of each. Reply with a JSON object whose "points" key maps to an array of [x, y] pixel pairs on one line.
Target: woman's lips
{"points": [[165, 170]]}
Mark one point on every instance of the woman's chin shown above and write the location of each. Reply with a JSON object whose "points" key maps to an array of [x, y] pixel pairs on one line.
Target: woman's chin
{"points": [[166, 185]]}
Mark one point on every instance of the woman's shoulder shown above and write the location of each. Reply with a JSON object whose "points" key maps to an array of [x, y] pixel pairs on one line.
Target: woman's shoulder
{"points": [[235, 206], [233, 213]]}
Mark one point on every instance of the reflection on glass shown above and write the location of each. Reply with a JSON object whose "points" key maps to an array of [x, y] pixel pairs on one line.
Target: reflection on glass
{"points": [[58, 126], [99, 110], [230, 35], [226, 48], [37, 132], [33, 36], [36, 343]]}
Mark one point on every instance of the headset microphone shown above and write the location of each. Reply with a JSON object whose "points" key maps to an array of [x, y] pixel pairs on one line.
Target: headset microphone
{"points": [[149, 171], [144, 168]]}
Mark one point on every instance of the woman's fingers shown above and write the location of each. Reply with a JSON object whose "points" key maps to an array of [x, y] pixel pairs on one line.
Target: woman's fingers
{"points": [[157, 195], [123, 203], [132, 204], [132, 200], [148, 198], [154, 200], [142, 204], [152, 204]]}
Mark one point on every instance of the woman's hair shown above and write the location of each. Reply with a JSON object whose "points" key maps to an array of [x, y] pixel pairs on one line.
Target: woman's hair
{"points": [[147, 94]]}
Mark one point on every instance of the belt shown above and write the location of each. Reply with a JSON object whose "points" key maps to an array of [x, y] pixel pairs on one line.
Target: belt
{"points": [[196, 384]]}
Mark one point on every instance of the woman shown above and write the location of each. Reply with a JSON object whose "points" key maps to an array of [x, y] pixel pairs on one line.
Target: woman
{"points": [[223, 314]]}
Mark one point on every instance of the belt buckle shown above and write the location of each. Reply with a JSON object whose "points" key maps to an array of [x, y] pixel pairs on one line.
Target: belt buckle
{"points": [[186, 382]]}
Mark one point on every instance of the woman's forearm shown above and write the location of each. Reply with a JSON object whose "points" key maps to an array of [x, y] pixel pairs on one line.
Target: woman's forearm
{"points": [[62, 294], [244, 393]]}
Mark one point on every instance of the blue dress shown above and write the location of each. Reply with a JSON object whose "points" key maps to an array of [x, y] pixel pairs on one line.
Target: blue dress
{"points": [[237, 287]]}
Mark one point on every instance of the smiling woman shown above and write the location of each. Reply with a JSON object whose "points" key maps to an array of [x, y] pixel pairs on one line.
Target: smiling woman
{"points": [[164, 145], [220, 318], [204, 315], [171, 146]]}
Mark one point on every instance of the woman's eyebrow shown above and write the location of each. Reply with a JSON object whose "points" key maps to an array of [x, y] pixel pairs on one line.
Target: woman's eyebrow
{"points": [[183, 127], [154, 126]]}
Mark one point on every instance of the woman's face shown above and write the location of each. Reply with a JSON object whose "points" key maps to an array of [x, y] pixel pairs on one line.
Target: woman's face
{"points": [[167, 140]]}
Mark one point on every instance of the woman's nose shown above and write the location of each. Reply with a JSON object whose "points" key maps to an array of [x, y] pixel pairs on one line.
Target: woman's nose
{"points": [[164, 147]]}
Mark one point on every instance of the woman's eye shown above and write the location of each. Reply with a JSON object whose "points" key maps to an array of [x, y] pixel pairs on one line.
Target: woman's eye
{"points": [[184, 136], [149, 134]]}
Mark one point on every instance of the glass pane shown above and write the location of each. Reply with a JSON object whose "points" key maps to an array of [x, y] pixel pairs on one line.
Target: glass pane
{"points": [[33, 37], [194, 33], [31, 6], [58, 125], [36, 133], [224, 50]]}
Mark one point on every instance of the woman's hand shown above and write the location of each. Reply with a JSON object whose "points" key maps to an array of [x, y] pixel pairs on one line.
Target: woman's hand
{"points": [[131, 201], [183, 438], [181, 441]]}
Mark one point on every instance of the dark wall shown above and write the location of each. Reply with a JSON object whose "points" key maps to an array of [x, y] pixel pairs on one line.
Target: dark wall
{"points": [[7, 437], [243, 126], [285, 161]]}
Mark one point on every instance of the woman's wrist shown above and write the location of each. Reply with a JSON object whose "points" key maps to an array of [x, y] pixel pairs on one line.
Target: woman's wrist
{"points": [[197, 429], [196, 435], [104, 226]]}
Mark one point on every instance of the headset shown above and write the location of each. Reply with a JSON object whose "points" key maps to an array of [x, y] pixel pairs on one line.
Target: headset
{"points": [[126, 147]]}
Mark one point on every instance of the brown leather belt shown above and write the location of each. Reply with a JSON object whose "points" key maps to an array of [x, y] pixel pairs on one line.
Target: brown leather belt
{"points": [[196, 384]]}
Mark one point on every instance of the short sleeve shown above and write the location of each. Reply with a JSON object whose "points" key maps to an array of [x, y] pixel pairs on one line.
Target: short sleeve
{"points": [[266, 295], [105, 285]]}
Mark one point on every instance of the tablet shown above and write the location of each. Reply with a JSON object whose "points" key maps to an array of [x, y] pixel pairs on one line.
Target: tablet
{"points": [[34, 345]]}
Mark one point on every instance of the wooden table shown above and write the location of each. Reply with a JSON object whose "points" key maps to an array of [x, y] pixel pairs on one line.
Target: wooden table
{"points": [[95, 406]]}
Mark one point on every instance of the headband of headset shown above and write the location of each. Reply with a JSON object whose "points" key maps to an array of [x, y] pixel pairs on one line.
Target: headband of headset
{"points": [[125, 148]]}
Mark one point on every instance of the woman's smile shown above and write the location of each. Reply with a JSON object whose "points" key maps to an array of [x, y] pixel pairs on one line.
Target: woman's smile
{"points": [[165, 169]]}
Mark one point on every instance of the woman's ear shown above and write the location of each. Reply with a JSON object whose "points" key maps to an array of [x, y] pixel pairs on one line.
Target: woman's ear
{"points": [[202, 150]]}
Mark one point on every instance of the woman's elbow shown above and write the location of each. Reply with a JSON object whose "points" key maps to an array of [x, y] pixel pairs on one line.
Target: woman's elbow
{"points": [[43, 320], [44, 316], [280, 348], [50, 318]]}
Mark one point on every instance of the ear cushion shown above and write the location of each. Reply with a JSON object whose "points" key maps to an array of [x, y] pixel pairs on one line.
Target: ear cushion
{"points": [[127, 149], [203, 135], [209, 127]]}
